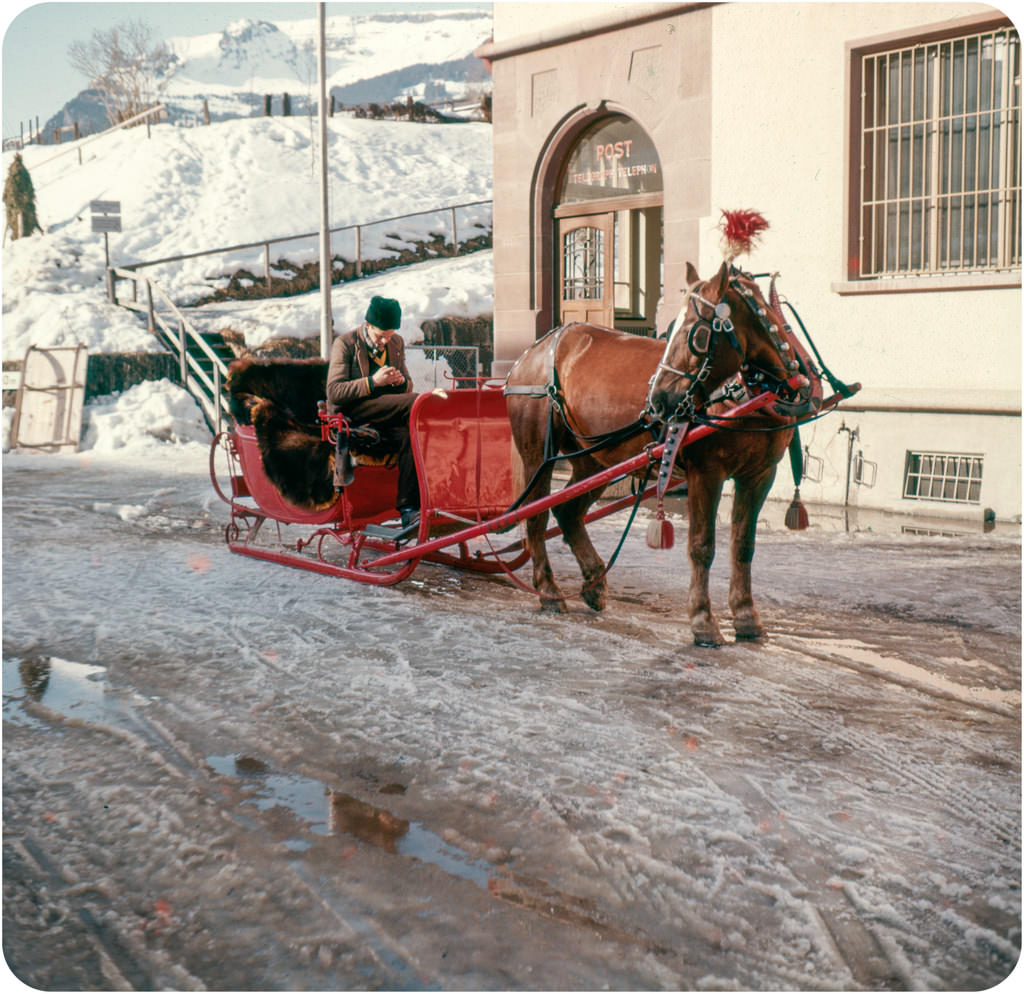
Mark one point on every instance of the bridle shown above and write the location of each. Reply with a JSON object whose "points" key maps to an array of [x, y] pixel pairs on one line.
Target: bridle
{"points": [[703, 338]]}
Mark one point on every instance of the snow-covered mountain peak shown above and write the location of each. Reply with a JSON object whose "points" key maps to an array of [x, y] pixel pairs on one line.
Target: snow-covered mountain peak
{"points": [[380, 58]]}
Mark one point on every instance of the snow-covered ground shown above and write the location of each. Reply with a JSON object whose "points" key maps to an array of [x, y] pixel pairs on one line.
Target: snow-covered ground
{"points": [[224, 774]]}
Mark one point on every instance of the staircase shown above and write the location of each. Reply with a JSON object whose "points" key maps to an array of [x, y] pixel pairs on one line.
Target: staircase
{"points": [[203, 358], [223, 354]]}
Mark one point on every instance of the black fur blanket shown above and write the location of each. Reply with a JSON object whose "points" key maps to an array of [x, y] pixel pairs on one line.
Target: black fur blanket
{"points": [[279, 397]]}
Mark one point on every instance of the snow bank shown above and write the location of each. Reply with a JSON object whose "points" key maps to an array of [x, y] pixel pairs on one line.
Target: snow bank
{"points": [[147, 412], [144, 420]]}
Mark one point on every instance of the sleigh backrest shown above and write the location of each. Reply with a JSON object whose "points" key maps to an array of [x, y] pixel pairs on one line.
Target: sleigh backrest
{"points": [[463, 446]]}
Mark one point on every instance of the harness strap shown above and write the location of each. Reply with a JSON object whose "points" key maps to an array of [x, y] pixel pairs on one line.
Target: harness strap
{"points": [[796, 458], [553, 391]]}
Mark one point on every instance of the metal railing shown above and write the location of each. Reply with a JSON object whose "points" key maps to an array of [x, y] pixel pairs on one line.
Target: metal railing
{"points": [[357, 229], [180, 337], [177, 334], [79, 143]]}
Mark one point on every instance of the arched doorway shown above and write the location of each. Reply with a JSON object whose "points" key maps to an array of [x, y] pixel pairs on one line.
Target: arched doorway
{"points": [[608, 228]]}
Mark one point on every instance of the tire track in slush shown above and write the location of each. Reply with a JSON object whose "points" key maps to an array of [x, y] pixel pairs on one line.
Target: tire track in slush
{"points": [[865, 954], [991, 818], [977, 810]]}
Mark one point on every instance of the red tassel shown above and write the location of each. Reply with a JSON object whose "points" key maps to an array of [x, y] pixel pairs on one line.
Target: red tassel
{"points": [[796, 514], [740, 230], [660, 533]]}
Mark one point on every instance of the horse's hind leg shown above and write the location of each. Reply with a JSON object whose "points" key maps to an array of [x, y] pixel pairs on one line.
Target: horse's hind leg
{"points": [[747, 504], [551, 596], [570, 517], [528, 419]]}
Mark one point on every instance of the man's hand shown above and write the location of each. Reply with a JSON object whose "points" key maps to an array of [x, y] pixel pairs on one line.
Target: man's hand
{"points": [[387, 376]]}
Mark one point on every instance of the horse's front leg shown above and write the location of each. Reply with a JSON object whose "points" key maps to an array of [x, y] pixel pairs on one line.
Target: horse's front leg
{"points": [[749, 499], [705, 492]]}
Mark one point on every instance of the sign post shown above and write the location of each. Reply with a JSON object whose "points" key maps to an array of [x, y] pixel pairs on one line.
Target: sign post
{"points": [[106, 217]]}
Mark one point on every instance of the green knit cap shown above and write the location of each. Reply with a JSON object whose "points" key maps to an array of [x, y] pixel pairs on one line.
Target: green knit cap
{"points": [[384, 313]]}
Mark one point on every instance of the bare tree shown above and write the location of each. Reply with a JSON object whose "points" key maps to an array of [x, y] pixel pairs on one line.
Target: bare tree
{"points": [[125, 66]]}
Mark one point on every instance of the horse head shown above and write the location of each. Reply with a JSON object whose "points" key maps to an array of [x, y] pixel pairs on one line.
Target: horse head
{"points": [[725, 327]]}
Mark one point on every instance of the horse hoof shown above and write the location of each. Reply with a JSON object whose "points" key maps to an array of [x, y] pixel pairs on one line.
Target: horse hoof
{"points": [[708, 638], [749, 629], [552, 605], [753, 635]]}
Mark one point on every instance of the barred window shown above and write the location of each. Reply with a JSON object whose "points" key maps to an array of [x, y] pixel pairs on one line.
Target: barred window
{"points": [[583, 264], [937, 175], [948, 477]]}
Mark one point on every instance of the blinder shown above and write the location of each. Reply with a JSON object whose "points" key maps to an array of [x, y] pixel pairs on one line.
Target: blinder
{"points": [[702, 335]]}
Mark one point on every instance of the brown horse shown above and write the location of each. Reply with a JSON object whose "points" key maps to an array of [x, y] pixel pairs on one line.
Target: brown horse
{"points": [[581, 383]]}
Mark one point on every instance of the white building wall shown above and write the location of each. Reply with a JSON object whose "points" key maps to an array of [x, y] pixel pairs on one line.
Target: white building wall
{"points": [[779, 145]]}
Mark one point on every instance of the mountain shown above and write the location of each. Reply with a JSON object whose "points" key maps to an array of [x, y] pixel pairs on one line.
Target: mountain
{"points": [[371, 58]]}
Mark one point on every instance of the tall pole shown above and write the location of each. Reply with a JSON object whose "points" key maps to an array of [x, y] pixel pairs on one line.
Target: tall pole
{"points": [[326, 330]]}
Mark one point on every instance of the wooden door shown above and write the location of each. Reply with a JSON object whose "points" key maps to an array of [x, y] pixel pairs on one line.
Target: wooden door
{"points": [[586, 288]]}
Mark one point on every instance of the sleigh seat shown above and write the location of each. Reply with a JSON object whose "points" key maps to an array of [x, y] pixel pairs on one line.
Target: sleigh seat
{"points": [[306, 454]]}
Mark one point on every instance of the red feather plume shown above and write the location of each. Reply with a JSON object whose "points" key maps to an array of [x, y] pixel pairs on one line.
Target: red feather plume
{"points": [[740, 230]]}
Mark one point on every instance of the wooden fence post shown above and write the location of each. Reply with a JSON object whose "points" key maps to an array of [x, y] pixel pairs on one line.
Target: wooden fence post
{"points": [[150, 314], [455, 234], [266, 262], [359, 252]]}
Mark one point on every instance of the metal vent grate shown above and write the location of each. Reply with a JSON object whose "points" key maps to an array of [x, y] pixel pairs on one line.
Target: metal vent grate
{"points": [[951, 478]]}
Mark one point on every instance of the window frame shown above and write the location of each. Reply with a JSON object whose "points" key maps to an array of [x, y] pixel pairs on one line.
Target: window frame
{"points": [[857, 52]]}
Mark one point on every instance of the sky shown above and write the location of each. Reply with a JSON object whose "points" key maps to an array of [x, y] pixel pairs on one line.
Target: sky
{"points": [[38, 36]]}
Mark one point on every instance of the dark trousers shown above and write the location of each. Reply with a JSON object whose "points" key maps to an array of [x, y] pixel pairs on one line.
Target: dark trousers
{"points": [[389, 414]]}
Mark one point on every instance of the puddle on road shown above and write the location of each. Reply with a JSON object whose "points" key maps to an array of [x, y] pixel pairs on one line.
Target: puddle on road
{"points": [[329, 812], [80, 691], [73, 690]]}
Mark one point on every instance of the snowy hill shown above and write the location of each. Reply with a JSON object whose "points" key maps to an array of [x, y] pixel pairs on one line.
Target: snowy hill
{"points": [[188, 190], [246, 178], [233, 70]]}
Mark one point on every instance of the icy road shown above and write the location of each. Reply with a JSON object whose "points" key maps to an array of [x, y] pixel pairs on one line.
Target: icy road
{"points": [[224, 774]]}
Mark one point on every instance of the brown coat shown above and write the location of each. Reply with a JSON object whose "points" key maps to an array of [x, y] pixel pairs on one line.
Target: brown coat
{"points": [[350, 368]]}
